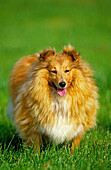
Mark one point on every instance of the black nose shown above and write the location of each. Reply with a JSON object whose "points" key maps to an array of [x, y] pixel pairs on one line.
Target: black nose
{"points": [[62, 84]]}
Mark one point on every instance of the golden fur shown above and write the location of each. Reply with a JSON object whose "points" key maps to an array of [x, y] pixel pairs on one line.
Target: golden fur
{"points": [[44, 109]]}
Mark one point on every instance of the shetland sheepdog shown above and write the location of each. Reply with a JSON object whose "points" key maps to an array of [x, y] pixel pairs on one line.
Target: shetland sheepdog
{"points": [[54, 97]]}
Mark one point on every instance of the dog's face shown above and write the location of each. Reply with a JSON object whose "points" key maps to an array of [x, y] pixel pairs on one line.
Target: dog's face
{"points": [[59, 68], [60, 73]]}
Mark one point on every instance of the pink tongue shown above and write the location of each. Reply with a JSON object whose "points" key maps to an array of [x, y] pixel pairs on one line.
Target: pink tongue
{"points": [[61, 92]]}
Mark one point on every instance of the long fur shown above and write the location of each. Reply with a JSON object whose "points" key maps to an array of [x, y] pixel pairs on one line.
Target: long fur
{"points": [[39, 111]]}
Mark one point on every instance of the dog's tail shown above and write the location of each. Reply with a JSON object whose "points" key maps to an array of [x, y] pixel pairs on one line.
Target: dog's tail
{"points": [[9, 111]]}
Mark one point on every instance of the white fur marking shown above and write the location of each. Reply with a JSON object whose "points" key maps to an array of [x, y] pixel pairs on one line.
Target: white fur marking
{"points": [[62, 129]]}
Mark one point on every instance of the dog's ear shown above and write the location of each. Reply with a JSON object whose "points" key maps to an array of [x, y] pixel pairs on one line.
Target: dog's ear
{"points": [[69, 50], [45, 53]]}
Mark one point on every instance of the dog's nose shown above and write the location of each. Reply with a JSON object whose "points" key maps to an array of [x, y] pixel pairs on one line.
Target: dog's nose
{"points": [[62, 84]]}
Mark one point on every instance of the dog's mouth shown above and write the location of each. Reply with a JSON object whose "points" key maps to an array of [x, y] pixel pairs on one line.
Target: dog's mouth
{"points": [[61, 92]]}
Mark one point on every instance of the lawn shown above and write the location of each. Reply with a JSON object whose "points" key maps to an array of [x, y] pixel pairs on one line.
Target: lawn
{"points": [[30, 26]]}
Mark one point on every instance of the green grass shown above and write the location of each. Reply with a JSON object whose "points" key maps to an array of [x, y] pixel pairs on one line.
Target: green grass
{"points": [[29, 26]]}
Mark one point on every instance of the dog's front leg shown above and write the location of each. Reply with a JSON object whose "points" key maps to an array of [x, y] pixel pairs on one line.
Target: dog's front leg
{"points": [[35, 141], [75, 142]]}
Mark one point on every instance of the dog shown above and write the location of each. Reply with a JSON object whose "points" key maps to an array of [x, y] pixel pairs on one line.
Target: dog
{"points": [[54, 97]]}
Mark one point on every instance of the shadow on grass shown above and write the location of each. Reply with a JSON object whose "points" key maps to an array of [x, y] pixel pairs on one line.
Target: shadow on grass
{"points": [[9, 140], [8, 137]]}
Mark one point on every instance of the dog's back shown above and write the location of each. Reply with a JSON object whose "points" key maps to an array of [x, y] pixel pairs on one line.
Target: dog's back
{"points": [[17, 77], [19, 73]]}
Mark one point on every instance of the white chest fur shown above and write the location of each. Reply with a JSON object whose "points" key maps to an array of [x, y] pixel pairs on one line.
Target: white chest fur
{"points": [[62, 129]]}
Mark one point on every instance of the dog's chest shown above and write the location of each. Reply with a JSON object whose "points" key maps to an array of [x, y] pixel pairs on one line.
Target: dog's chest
{"points": [[62, 128]]}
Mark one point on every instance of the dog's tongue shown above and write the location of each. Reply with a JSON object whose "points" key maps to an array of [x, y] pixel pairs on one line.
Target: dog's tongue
{"points": [[61, 92]]}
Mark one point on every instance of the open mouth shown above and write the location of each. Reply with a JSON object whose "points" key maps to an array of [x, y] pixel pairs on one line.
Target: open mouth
{"points": [[61, 91]]}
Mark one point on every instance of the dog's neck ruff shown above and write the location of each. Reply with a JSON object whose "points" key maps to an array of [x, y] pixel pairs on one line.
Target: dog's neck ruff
{"points": [[62, 128]]}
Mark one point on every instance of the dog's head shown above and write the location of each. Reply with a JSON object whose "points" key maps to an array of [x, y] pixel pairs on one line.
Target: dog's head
{"points": [[59, 66]]}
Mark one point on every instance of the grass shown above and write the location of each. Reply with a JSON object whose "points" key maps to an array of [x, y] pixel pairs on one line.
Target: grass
{"points": [[30, 26]]}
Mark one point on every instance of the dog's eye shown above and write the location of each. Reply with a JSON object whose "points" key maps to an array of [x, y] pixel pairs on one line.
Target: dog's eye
{"points": [[54, 71], [66, 71]]}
